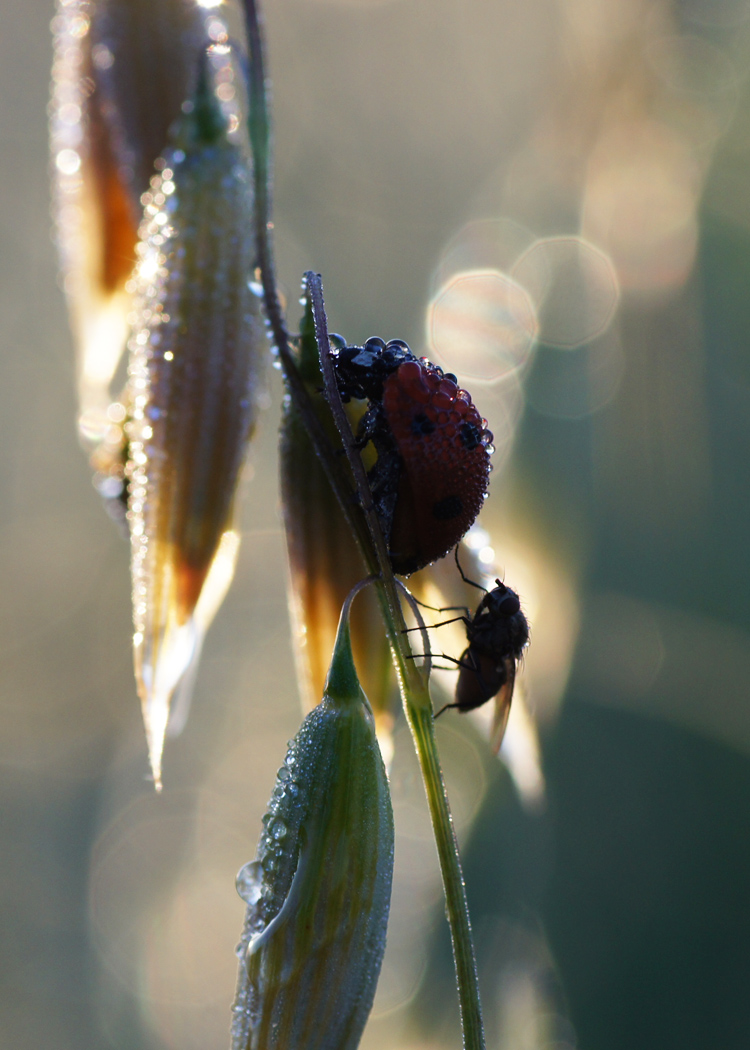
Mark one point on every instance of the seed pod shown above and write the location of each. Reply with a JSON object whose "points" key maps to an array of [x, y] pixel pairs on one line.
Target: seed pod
{"points": [[145, 57], [122, 70], [196, 357], [318, 891], [324, 560]]}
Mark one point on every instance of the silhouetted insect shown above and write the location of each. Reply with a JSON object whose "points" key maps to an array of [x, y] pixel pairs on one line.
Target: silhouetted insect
{"points": [[430, 478], [497, 634]]}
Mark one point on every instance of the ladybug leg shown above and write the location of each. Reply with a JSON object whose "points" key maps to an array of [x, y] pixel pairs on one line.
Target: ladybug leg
{"points": [[366, 428], [384, 478]]}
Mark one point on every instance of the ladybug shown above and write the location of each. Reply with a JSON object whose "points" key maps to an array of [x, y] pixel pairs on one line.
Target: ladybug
{"points": [[497, 634], [433, 449]]}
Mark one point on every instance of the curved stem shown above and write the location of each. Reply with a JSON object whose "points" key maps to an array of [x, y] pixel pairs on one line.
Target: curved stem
{"points": [[409, 675], [259, 127], [417, 705], [366, 528]]}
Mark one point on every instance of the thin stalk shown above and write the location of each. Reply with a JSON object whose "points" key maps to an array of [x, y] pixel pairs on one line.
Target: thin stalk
{"points": [[366, 528], [409, 675], [259, 127], [417, 705]]}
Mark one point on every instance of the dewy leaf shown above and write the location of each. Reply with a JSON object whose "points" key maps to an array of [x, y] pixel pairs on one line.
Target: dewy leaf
{"points": [[324, 560], [318, 891], [122, 70], [196, 358]]}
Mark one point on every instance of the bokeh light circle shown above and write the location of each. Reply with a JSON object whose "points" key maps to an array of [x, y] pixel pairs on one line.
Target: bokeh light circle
{"points": [[574, 287], [482, 325], [482, 245], [642, 190]]}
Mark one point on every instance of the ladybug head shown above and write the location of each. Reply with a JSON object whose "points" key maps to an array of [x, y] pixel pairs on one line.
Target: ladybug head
{"points": [[361, 371]]}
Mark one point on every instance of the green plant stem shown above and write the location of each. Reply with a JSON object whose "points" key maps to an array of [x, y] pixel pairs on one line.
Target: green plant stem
{"points": [[259, 127], [366, 528], [417, 705], [422, 729]]}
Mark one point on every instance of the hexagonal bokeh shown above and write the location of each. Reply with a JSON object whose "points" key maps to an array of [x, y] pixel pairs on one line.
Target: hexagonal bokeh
{"points": [[482, 325], [573, 286]]}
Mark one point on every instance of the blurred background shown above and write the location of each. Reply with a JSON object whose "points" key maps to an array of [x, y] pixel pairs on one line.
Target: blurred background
{"points": [[552, 198]]}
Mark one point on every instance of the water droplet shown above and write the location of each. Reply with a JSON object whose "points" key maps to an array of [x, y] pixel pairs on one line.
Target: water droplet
{"points": [[110, 487], [278, 829], [269, 863], [249, 882]]}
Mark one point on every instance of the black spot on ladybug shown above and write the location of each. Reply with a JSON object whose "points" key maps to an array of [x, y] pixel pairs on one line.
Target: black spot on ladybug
{"points": [[422, 424], [448, 508], [470, 435]]}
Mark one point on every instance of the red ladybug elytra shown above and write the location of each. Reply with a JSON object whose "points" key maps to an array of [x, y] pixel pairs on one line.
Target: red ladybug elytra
{"points": [[431, 475]]}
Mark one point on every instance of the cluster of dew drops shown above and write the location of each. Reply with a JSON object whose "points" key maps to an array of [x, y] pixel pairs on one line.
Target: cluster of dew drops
{"points": [[257, 881]]}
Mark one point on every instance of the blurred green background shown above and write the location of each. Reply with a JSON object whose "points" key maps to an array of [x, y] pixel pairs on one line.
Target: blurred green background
{"points": [[417, 140]]}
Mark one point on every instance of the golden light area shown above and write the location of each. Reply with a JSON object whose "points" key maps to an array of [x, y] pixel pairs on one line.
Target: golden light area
{"points": [[521, 752], [549, 600], [550, 603], [214, 591], [482, 325], [640, 201], [594, 21]]}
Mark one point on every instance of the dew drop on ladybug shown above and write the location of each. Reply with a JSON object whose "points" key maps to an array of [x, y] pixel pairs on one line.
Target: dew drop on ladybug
{"points": [[433, 448]]}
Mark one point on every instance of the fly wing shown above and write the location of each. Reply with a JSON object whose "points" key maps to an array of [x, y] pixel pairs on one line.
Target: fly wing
{"points": [[502, 705]]}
